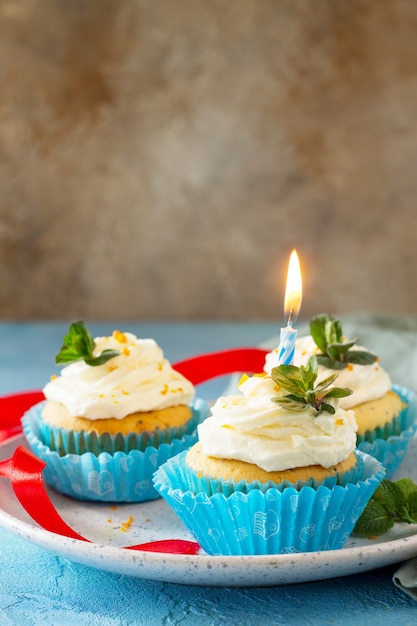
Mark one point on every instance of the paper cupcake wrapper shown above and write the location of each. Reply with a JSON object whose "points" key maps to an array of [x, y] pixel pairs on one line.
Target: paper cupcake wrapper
{"points": [[194, 482], [105, 477], [274, 522], [390, 442], [67, 441]]}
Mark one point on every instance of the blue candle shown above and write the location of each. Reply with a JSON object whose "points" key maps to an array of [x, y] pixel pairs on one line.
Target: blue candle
{"points": [[286, 345], [292, 304]]}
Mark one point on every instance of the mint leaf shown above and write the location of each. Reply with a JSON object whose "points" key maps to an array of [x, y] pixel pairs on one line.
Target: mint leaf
{"points": [[291, 402], [105, 356], [324, 406], [318, 332], [407, 486], [78, 345], [391, 496], [303, 393], [338, 392], [375, 520], [326, 382], [361, 357], [330, 362], [336, 351], [411, 508], [289, 378], [392, 502], [409, 491]]}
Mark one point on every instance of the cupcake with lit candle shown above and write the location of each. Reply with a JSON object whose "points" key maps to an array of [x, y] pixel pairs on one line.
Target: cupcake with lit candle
{"points": [[116, 411], [385, 413], [275, 469]]}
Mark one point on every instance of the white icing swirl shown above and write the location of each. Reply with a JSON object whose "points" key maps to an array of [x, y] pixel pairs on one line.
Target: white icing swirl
{"points": [[139, 379], [367, 382], [252, 428]]}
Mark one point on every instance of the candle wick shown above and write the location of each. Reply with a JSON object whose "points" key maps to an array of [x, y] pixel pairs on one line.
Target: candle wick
{"points": [[290, 318]]}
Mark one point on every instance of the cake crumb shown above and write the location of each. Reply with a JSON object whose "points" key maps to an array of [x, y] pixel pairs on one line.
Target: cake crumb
{"points": [[124, 527]]}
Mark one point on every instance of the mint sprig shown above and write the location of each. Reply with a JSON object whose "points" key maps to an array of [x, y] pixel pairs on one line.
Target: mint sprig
{"points": [[392, 502], [79, 346], [336, 352], [304, 393]]}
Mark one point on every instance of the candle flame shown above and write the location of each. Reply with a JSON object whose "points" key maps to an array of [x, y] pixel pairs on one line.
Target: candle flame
{"points": [[294, 289]]}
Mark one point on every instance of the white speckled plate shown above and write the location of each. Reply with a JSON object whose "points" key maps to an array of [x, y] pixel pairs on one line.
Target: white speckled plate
{"points": [[102, 523]]}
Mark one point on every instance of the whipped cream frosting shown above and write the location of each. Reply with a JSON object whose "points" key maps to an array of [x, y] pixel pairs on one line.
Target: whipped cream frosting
{"points": [[367, 382], [251, 427], [138, 379]]}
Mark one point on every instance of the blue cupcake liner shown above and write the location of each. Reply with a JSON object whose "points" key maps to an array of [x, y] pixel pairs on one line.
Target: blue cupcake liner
{"points": [[195, 482], [390, 442], [118, 477], [67, 441], [270, 522]]}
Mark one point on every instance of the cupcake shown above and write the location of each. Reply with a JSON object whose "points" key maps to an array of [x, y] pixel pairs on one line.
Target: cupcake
{"points": [[116, 411], [275, 469], [385, 413]]}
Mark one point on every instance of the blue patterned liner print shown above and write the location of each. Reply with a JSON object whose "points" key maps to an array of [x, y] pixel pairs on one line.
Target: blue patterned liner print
{"points": [[118, 477], [390, 443], [270, 522]]}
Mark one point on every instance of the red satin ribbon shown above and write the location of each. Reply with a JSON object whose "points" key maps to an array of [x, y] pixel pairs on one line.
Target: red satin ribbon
{"points": [[12, 408], [24, 469], [202, 368], [25, 472]]}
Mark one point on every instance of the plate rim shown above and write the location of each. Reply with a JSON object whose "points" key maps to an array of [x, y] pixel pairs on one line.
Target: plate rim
{"points": [[277, 569]]}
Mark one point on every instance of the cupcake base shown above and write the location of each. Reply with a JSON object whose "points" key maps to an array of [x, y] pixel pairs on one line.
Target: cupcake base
{"points": [[202, 473], [390, 442], [270, 522], [105, 477], [67, 441]]}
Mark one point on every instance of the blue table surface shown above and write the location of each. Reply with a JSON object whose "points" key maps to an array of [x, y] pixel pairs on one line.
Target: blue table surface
{"points": [[39, 588]]}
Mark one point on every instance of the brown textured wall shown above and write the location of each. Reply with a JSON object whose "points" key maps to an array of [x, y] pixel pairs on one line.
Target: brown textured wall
{"points": [[160, 159]]}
